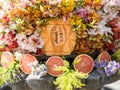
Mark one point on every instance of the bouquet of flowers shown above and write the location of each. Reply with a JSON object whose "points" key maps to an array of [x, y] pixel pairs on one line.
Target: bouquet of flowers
{"points": [[96, 24]]}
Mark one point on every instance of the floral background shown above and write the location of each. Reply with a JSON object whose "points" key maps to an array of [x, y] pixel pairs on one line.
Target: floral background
{"points": [[96, 23]]}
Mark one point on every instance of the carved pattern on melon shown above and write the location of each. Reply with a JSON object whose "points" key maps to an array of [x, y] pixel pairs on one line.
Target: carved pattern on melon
{"points": [[59, 38]]}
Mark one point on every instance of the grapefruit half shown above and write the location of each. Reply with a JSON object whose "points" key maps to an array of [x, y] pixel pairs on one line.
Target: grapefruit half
{"points": [[7, 58], [27, 62], [52, 63], [83, 63], [104, 56]]}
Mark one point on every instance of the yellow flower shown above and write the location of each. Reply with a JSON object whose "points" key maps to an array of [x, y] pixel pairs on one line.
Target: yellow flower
{"points": [[83, 27], [67, 6], [75, 20]]}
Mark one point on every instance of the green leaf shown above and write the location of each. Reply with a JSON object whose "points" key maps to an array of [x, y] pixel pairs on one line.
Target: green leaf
{"points": [[9, 74], [69, 80]]}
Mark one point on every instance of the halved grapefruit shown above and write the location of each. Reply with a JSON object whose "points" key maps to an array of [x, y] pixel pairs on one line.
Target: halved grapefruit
{"points": [[7, 58], [83, 63], [52, 63], [27, 62], [104, 56]]}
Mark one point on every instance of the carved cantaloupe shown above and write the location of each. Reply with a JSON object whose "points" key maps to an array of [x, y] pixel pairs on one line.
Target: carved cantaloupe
{"points": [[59, 38]]}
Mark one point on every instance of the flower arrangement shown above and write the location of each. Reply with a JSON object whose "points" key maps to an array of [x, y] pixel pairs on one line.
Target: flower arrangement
{"points": [[93, 24], [96, 23], [109, 68]]}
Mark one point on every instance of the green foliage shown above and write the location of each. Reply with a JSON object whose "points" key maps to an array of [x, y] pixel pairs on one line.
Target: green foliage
{"points": [[8, 75], [69, 79], [116, 55], [92, 24]]}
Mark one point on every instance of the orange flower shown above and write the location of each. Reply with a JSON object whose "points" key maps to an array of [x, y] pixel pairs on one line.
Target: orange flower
{"points": [[94, 15], [97, 4]]}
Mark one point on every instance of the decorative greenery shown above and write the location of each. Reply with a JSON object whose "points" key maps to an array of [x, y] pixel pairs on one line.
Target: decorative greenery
{"points": [[70, 78], [116, 55], [9, 75]]}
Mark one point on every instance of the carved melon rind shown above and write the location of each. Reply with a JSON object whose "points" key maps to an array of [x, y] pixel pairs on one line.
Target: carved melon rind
{"points": [[59, 38]]}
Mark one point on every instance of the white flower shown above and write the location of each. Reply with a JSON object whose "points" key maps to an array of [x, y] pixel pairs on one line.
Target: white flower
{"points": [[118, 24], [1, 28], [112, 5], [92, 32], [1, 13], [5, 4], [101, 29], [30, 43], [2, 40], [18, 55], [53, 2]]}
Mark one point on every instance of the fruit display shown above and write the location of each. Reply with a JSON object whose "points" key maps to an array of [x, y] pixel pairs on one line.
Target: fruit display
{"points": [[54, 62], [50, 32], [27, 62], [83, 63]]}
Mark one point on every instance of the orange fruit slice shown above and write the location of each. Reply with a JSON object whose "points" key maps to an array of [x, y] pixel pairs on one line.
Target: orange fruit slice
{"points": [[27, 63], [7, 58], [52, 63], [83, 63]]}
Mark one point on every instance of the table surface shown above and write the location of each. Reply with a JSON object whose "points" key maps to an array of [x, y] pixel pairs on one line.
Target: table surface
{"points": [[105, 83]]}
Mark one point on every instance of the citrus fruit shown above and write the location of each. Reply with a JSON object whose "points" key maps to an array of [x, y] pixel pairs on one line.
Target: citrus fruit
{"points": [[83, 63], [52, 63], [7, 58], [27, 62], [104, 56]]}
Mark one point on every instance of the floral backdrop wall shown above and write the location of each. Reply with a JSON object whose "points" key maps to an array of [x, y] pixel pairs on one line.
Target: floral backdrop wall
{"points": [[30, 28], [96, 23]]}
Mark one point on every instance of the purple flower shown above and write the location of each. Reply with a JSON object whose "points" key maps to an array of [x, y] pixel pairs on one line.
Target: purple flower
{"points": [[100, 70], [117, 65], [96, 64], [111, 68], [103, 64], [108, 71]]}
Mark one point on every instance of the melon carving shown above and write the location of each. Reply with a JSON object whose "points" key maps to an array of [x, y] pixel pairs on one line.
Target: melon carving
{"points": [[59, 38]]}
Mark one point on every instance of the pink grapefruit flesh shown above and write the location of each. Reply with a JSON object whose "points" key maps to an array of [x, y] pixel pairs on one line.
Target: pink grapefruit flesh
{"points": [[52, 63], [7, 58], [26, 63], [83, 63], [104, 56]]}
